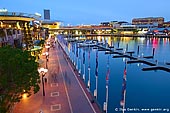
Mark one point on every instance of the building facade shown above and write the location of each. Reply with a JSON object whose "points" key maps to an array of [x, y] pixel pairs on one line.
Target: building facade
{"points": [[15, 28], [51, 27], [157, 21], [166, 24]]}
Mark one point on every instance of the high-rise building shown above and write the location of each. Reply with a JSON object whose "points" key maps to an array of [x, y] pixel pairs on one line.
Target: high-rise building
{"points": [[46, 14]]}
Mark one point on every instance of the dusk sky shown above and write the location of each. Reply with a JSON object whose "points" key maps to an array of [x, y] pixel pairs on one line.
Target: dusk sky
{"points": [[91, 11]]}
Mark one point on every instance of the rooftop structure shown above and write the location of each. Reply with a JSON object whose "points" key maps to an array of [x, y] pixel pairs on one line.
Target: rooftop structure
{"points": [[19, 16], [16, 19]]}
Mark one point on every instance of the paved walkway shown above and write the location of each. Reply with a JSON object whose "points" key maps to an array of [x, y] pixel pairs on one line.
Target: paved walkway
{"points": [[65, 92]]}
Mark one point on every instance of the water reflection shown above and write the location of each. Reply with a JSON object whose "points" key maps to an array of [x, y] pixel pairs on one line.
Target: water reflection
{"points": [[123, 97], [88, 84], [79, 57], [105, 105], [84, 70], [96, 75]]}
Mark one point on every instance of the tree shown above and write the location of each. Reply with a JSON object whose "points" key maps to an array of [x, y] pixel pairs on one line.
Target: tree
{"points": [[135, 31], [18, 75], [2, 33]]}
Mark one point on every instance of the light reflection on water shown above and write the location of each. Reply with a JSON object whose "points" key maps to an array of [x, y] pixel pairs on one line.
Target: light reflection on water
{"points": [[144, 89]]}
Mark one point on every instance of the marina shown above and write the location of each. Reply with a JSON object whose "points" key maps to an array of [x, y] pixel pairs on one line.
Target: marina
{"points": [[102, 66], [84, 57], [128, 54]]}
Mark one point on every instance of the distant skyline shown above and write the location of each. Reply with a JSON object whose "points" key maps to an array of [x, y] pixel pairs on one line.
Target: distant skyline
{"points": [[76, 12]]}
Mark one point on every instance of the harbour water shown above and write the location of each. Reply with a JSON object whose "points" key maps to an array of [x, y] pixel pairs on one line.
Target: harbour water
{"points": [[119, 87]]}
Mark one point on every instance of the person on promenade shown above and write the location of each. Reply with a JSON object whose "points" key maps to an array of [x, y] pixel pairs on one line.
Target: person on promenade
{"points": [[41, 111]]}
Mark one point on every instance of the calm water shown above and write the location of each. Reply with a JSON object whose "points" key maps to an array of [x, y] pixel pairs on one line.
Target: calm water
{"points": [[138, 91]]}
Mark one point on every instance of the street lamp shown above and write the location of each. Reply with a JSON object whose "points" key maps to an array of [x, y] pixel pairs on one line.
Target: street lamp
{"points": [[43, 71]]}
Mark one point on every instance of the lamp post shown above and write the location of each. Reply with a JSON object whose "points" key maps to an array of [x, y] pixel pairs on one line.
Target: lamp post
{"points": [[43, 71]]}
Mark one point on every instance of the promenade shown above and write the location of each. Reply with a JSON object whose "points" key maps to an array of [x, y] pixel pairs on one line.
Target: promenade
{"points": [[65, 92]]}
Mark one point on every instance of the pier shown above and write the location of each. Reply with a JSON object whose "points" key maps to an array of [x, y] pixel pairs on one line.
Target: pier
{"points": [[134, 58], [148, 60], [121, 53], [85, 62]]}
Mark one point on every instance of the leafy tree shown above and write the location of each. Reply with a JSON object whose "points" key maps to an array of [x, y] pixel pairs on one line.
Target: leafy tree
{"points": [[2, 33], [41, 43], [135, 31], [18, 75]]}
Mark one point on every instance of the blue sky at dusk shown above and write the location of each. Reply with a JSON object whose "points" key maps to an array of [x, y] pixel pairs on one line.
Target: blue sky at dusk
{"points": [[91, 11]]}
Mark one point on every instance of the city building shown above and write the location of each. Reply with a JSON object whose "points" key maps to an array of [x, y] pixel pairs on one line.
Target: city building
{"points": [[156, 21], [127, 29], [49, 25], [16, 29], [46, 14], [50, 28], [166, 24], [105, 24]]}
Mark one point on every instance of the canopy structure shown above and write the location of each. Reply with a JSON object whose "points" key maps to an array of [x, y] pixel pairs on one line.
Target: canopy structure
{"points": [[36, 48]]}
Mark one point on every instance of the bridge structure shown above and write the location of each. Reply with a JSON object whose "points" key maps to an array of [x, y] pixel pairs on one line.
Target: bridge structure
{"points": [[96, 30], [88, 30]]}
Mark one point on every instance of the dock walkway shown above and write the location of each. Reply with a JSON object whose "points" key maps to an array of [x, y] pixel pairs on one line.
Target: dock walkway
{"points": [[119, 53]]}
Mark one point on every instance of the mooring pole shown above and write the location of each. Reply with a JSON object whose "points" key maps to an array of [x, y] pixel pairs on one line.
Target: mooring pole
{"points": [[153, 52], [126, 47], [138, 51]]}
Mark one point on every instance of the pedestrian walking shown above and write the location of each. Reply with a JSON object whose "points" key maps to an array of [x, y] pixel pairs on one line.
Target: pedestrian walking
{"points": [[41, 111]]}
